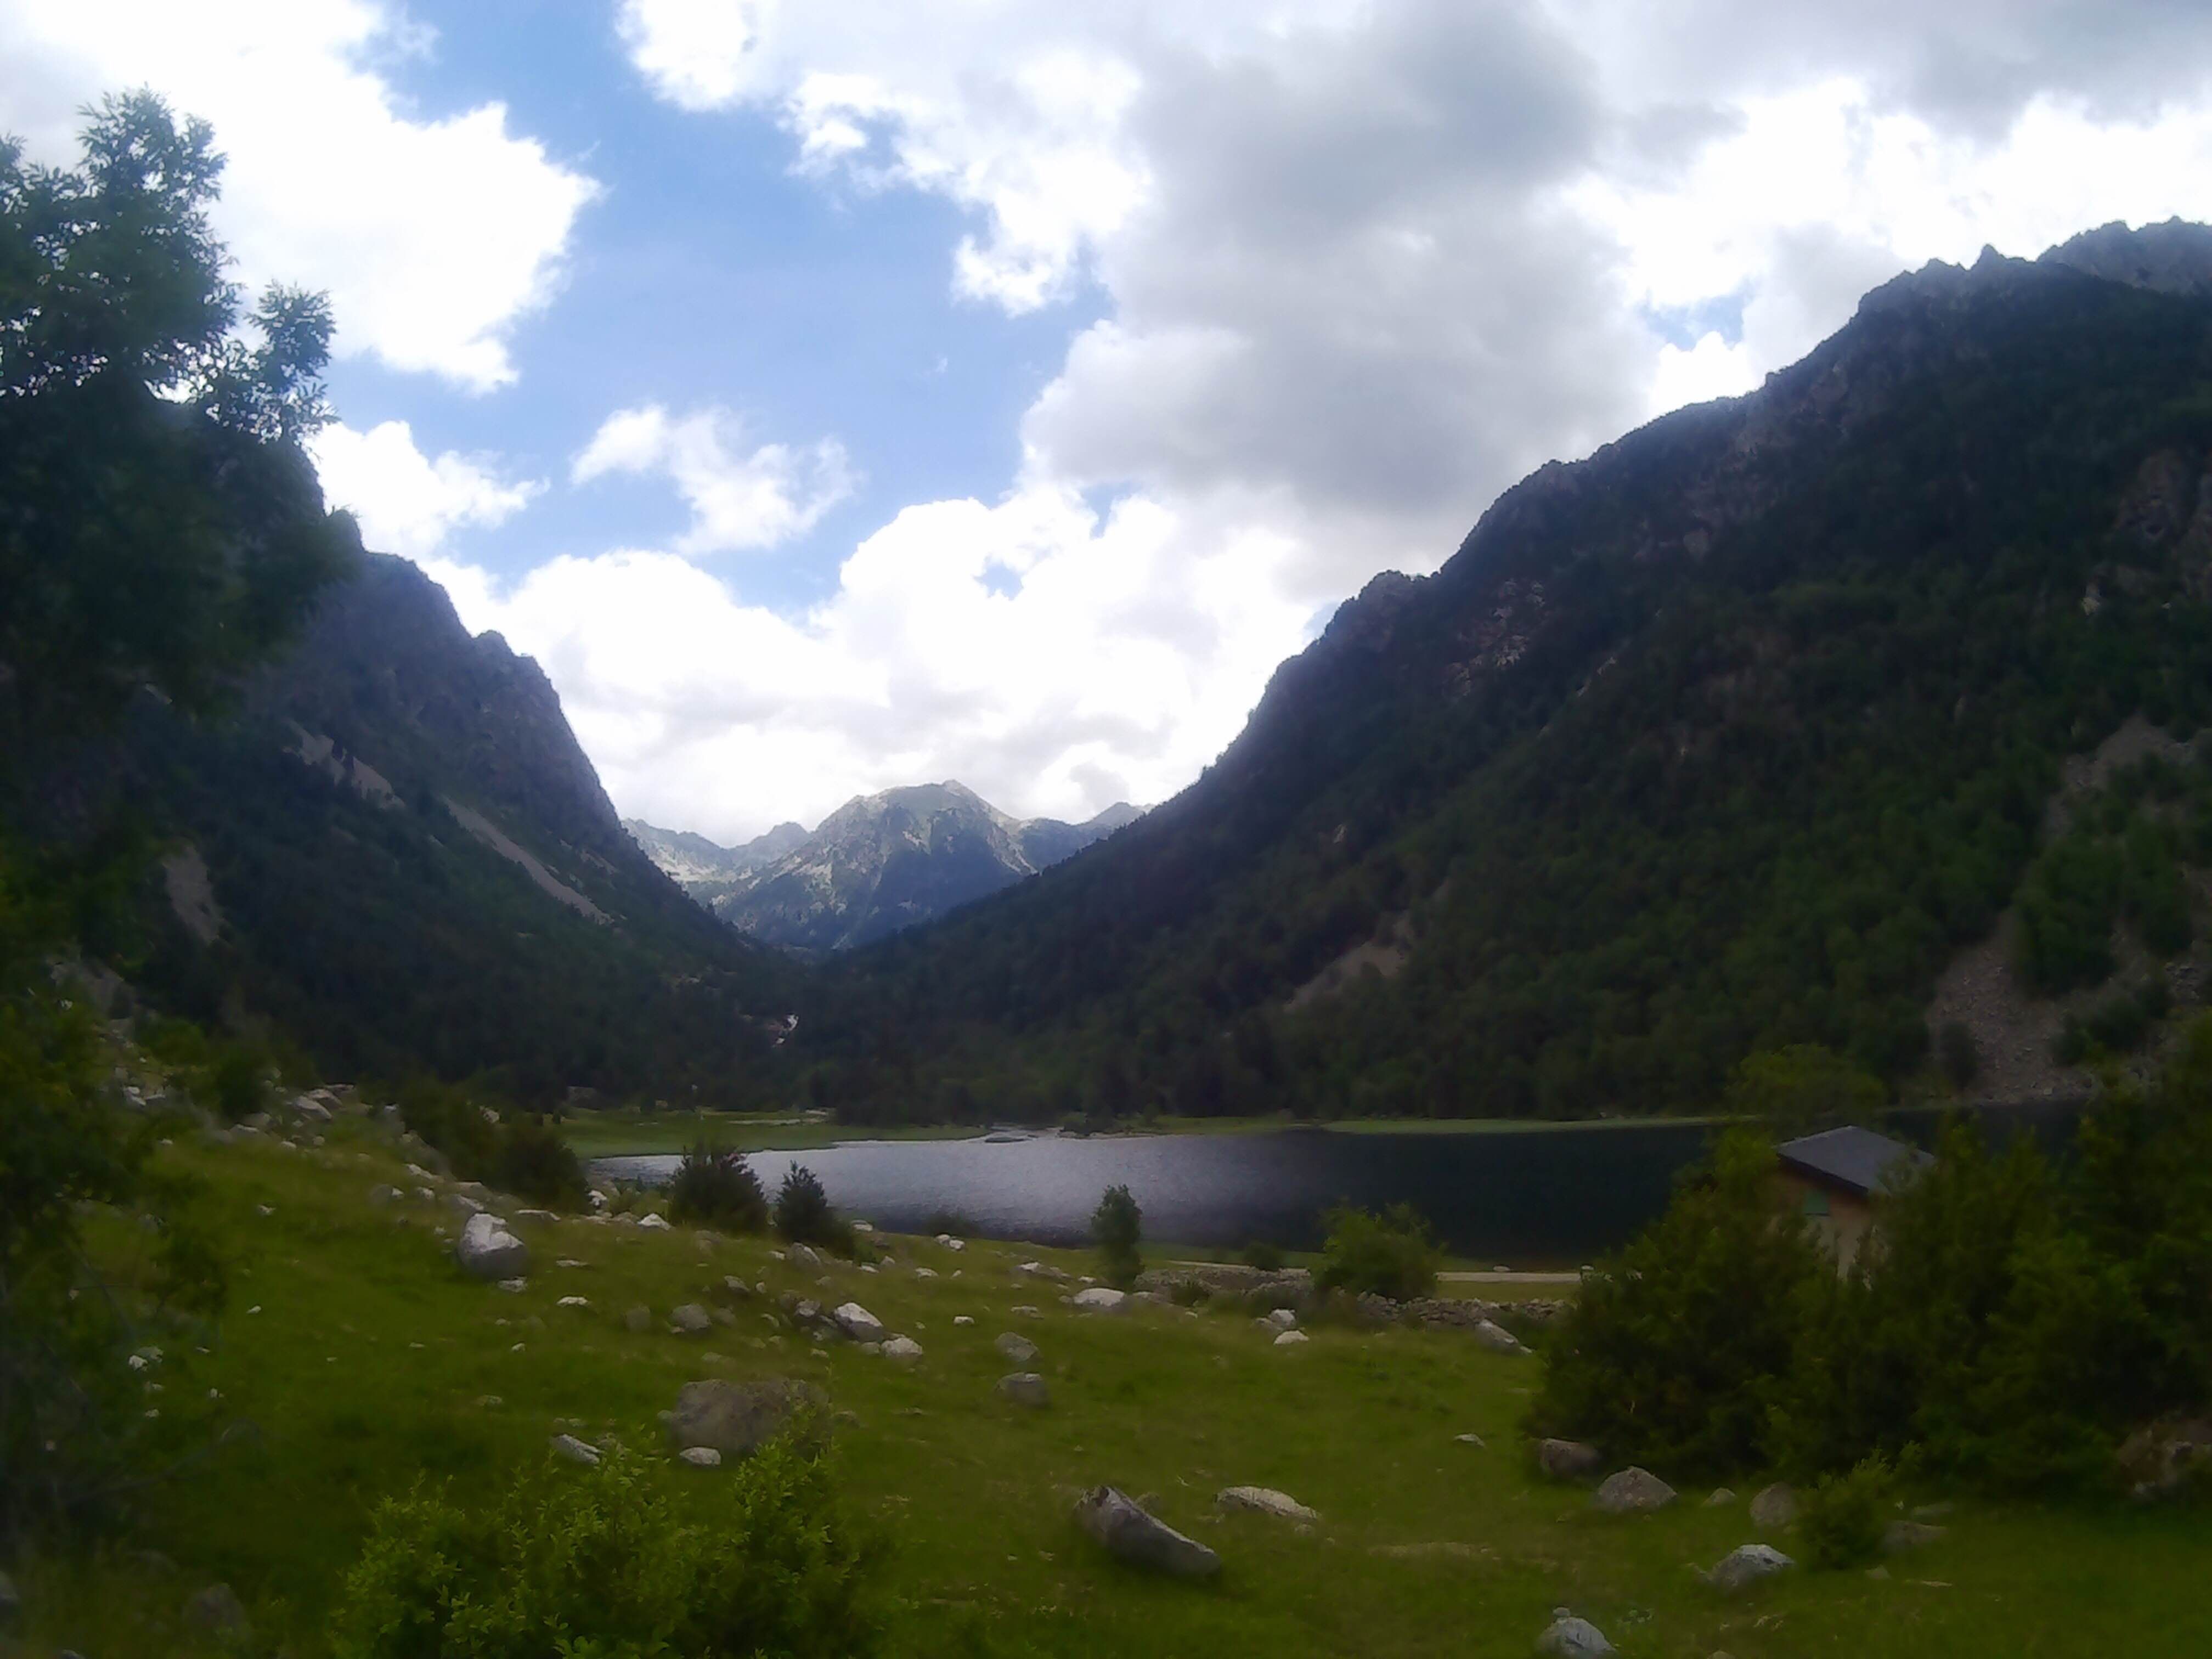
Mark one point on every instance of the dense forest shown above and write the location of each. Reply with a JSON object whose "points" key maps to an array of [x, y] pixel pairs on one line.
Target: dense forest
{"points": [[1722, 741]]}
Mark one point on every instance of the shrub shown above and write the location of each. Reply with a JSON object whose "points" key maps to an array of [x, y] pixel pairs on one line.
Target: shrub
{"points": [[1116, 1225], [1266, 1257], [1842, 1520], [1673, 1350], [1390, 1255], [530, 1160], [803, 1215], [1795, 1090], [715, 1187], [601, 1562]]}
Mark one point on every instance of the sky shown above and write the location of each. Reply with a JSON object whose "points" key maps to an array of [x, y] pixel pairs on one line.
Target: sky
{"points": [[847, 393]]}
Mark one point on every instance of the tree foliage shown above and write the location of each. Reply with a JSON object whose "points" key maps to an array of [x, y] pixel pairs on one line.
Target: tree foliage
{"points": [[1392, 1254], [715, 1187], [1116, 1227]]}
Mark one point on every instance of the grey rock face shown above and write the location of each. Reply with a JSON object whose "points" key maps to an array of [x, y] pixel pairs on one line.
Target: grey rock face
{"points": [[1017, 1347], [1570, 1637], [736, 1419], [1121, 1526], [1746, 1564], [1265, 1500], [487, 1251], [857, 1322], [1633, 1491], [1774, 1509], [217, 1609], [1024, 1389], [1567, 1460]]}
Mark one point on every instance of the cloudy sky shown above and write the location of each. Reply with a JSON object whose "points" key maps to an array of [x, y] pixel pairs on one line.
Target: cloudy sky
{"points": [[839, 394]]}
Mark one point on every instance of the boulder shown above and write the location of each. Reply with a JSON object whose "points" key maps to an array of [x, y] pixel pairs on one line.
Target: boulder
{"points": [[638, 1319], [653, 1223], [1567, 1460], [1283, 1319], [217, 1609], [575, 1450], [1745, 1566], [904, 1350], [1902, 1535], [2164, 1459], [487, 1251], [1473, 1440], [1017, 1347], [690, 1320], [807, 1259], [857, 1322], [1774, 1509], [736, 1419], [463, 1206], [1120, 1526], [1099, 1299], [1024, 1389], [700, 1457], [1570, 1637], [1265, 1500], [1633, 1491], [1721, 1498], [1043, 1270], [1496, 1338], [964, 1319], [1291, 1339]]}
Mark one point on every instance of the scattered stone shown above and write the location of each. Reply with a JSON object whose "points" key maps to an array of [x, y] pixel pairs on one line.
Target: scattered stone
{"points": [[1774, 1509], [925, 1273], [1099, 1299], [1633, 1491], [690, 1320], [1473, 1440], [217, 1609], [487, 1251], [1041, 1270], [1902, 1535], [1496, 1338], [964, 1319], [537, 1217], [1265, 1500], [1570, 1637], [1283, 1319], [1291, 1339], [857, 1322], [575, 1450], [955, 1245], [1024, 1389], [638, 1319], [574, 1302], [1745, 1566], [808, 1260], [736, 1418], [381, 1196], [463, 1206], [1122, 1528], [902, 1349], [1025, 1310], [1017, 1347], [1567, 1460], [515, 1286], [653, 1222], [701, 1458], [1722, 1497]]}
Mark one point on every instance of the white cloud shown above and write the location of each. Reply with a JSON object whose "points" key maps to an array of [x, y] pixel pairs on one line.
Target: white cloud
{"points": [[738, 498], [432, 236], [407, 501], [1049, 658]]}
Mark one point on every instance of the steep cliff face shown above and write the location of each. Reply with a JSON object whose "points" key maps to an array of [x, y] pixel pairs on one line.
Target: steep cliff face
{"points": [[886, 862], [417, 868], [1636, 780]]}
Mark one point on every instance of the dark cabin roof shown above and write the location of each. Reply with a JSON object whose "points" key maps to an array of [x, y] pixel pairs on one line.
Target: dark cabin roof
{"points": [[1851, 1158]]}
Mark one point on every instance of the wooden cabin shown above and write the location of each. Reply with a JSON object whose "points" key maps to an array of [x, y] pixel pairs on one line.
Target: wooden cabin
{"points": [[1831, 1179]]}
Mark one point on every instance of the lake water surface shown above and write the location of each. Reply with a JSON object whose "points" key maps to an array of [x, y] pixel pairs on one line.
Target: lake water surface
{"points": [[1533, 1196]]}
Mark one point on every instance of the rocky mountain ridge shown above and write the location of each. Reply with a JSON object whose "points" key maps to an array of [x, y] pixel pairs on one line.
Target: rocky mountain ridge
{"points": [[878, 863]]}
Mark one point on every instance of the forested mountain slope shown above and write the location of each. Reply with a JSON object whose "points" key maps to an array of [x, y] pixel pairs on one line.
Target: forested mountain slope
{"points": [[408, 865], [1726, 738]]}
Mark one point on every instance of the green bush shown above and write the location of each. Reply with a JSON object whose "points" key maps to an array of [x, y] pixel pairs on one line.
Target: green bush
{"points": [[1797, 1089], [1389, 1254], [1674, 1351], [715, 1187], [1116, 1225], [1266, 1257], [803, 1215], [531, 1160], [1842, 1518], [604, 1563]]}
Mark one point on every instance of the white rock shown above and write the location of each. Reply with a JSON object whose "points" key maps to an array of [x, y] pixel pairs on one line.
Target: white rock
{"points": [[574, 1302], [964, 1319], [515, 1286], [1099, 1299], [575, 1450], [903, 1349], [701, 1458], [1496, 1338], [487, 1251], [690, 1318], [1291, 1339], [1570, 1637], [1017, 1347], [925, 1273], [1265, 1500], [955, 1245], [1746, 1564], [1283, 1319], [857, 1322], [807, 1259], [653, 1223]]}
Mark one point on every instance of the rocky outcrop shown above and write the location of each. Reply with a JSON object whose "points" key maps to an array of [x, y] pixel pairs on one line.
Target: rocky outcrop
{"points": [[1632, 1491], [1125, 1530], [1745, 1566], [487, 1251], [736, 1419]]}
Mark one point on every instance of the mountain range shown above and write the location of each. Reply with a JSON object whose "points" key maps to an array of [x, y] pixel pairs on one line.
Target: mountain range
{"points": [[877, 864]]}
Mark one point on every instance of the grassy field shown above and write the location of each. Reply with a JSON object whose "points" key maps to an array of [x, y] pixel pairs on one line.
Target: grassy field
{"points": [[614, 1134], [367, 1362]]}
